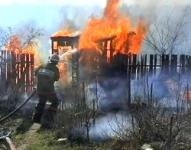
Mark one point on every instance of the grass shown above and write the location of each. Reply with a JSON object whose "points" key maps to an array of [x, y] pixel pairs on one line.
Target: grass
{"points": [[47, 140]]}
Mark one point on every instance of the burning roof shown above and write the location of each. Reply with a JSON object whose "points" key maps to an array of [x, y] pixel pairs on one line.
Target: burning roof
{"points": [[65, 34]]}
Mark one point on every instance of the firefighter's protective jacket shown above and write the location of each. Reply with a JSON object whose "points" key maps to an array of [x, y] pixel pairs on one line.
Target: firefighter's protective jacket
{"points": [[46, 76]]}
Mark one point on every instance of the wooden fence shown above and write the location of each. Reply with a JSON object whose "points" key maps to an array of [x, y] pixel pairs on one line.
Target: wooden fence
{"points": [[138, 65], [17, 69]]}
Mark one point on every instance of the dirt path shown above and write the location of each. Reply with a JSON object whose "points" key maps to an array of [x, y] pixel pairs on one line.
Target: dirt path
{"points": [[29, 136]]}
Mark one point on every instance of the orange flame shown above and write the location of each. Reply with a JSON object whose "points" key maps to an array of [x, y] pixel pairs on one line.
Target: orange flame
{"points": [[15, 45], [62, 33], [128, 39], [68, 33]]}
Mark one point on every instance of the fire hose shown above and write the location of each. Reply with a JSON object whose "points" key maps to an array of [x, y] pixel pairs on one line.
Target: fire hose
{"points": [[18, 108]]}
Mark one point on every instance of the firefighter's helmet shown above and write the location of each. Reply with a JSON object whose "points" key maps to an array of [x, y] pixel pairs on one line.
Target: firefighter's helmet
{"points": [[54, 58]]}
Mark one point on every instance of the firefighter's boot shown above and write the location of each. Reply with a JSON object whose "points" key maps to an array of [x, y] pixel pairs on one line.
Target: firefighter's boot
{"points": [[48, 119]]}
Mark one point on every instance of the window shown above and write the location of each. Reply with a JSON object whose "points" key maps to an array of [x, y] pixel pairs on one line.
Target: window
{"points": [[55, 45]]}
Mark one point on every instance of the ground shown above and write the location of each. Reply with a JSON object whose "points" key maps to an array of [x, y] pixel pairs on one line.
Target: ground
{"points": [[47, 140], [36, 138], [28, 136]]}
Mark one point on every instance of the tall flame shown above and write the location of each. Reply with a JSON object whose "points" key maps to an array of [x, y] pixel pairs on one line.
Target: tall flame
{"points": [[129, 38]]}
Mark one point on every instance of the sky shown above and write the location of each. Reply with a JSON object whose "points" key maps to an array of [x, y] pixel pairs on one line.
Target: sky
{"points": [[47, 12], [53, 2], [44, 12]]}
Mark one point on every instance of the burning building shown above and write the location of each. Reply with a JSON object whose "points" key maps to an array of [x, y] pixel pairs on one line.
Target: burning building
{"points": [[110, 36], [64, 41], [65, 44], [102, 40]]}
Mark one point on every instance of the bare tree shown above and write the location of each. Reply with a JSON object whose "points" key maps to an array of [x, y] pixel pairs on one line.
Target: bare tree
{"points": [[18, 39], [4, 36], [30, 36], [169, 33]]}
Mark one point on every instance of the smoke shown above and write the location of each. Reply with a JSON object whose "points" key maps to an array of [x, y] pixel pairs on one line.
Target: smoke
{"points": [[70, 17], [165, 15], [69, 25], [153, 9], [110, 126], [106, 127], [111, 93], [27, 109], [167, 88]]}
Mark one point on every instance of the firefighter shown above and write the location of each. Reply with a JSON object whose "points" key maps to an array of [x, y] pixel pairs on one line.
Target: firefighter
{"points": [[46, 77]]}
